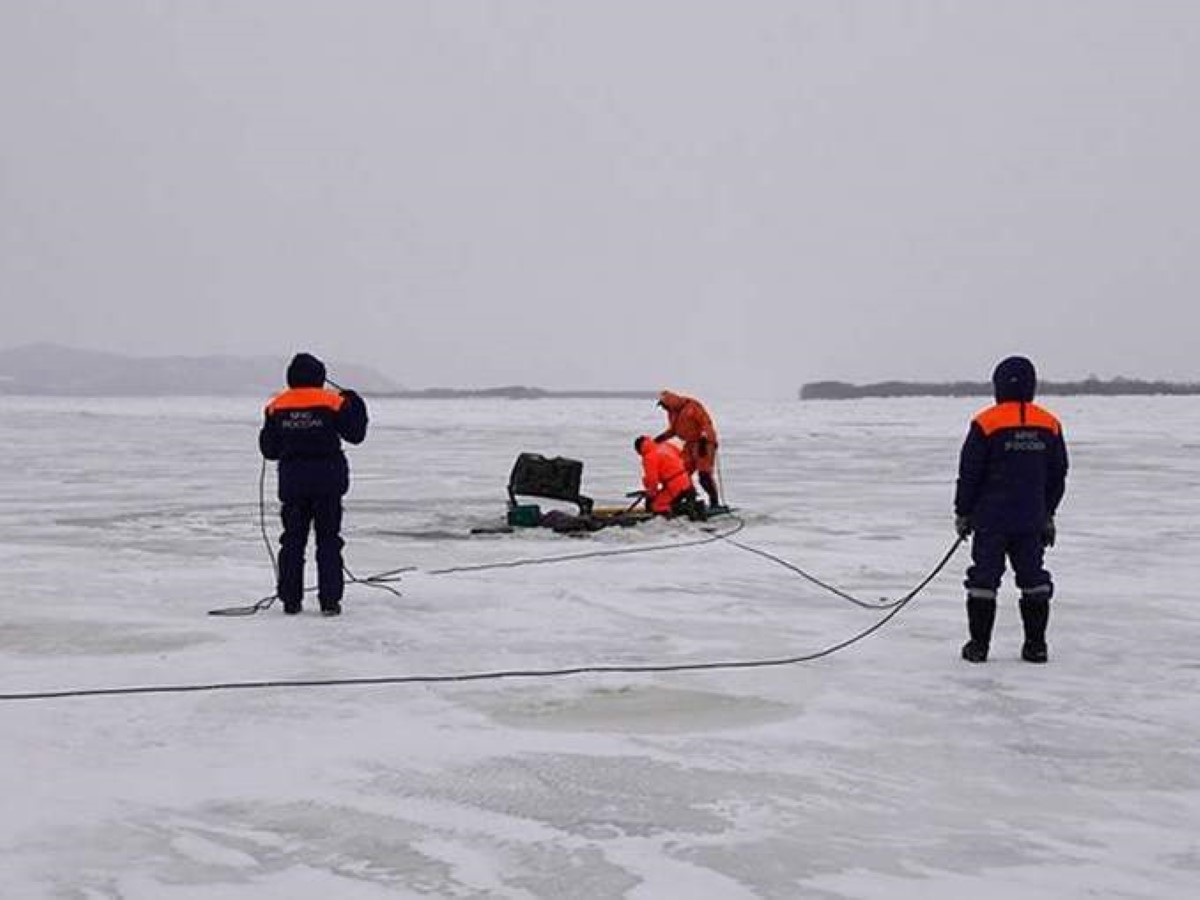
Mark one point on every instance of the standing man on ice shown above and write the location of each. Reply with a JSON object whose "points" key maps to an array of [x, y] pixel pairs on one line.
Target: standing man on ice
{"points": [[1011, 477], [688, 420], [303, 429]]}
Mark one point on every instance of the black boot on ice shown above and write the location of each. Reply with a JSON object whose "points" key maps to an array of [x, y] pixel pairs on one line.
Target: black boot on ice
{"points": [[1034, 653], [981, 615], [1035, 612], [973, 652]]}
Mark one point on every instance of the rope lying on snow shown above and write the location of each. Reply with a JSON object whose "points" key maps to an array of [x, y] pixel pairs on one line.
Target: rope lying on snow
{"points": [[739, 524], [894, 609], [383, 580]]}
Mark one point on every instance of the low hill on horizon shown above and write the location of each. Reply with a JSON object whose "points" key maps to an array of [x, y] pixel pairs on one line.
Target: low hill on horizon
{"points": [[48, 369]]}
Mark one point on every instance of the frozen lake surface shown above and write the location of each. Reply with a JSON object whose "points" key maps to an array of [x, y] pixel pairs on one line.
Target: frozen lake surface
{"points": [[889, 770]]}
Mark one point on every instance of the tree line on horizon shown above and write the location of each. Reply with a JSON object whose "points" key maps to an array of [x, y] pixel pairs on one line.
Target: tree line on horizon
{"points": [[1088, 387]]}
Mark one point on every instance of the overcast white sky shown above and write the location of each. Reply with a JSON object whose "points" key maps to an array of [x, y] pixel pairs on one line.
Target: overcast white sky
{"points": [[726, 198]]}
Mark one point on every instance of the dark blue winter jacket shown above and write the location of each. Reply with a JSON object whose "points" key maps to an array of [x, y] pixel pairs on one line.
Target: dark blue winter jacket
{"points": [[1013, 467], [303, 428]]}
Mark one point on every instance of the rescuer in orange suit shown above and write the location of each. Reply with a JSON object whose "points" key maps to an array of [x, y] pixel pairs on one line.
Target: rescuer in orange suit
{"points": [[688, 420], [665, 478]]}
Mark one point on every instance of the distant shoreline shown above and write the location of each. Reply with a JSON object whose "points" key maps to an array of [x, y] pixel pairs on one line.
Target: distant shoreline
{"points": [[512, 393], [1090, 387]]}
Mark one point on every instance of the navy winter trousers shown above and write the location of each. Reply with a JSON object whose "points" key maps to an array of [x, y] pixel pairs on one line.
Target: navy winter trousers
{"points": [[322, 513], [1025, 552]]}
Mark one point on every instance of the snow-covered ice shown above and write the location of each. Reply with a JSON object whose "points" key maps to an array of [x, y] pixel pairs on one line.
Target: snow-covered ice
{"points": [[891, 769]]}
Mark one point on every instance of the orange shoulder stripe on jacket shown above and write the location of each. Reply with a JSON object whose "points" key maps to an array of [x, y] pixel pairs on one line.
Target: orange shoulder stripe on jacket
{"points": [[1009, 415], [306, 398]]}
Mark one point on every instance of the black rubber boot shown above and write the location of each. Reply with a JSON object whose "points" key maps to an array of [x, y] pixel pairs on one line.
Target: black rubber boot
{"points": [[981, 616], [688, 504], [1035, 613], [710, 487]]}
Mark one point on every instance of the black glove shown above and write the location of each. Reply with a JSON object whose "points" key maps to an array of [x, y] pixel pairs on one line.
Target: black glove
{"points": [[1049, 532], [351, 396], [703, 446], [962, 525]]}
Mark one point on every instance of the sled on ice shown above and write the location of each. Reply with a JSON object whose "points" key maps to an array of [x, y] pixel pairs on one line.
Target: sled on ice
{"points": [[558, 478]]}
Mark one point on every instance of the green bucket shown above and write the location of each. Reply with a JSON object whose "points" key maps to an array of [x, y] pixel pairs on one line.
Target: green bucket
{"points": [[525, 515]]}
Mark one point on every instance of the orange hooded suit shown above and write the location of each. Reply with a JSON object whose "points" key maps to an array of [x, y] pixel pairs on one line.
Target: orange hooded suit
{"points": [[688, 420]]}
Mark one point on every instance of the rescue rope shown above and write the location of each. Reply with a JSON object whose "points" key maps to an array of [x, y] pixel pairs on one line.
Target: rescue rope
{"points": [[722, 490], [501, 674], [380, 580], [883, 602], [595, 554], [262, 518], [384, 580]]}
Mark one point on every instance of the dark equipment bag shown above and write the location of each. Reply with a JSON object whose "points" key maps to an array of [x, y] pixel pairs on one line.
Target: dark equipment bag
{"points": [[534, 475]]}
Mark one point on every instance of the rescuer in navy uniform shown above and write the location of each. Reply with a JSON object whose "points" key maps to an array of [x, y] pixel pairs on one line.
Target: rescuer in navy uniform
{"points": [[303, 429], [1011, 477]]}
